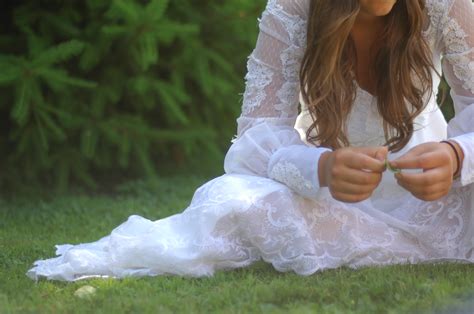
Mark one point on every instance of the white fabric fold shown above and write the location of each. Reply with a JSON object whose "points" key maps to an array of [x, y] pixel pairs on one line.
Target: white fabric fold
{"points": [[269, 204], [276, 152]]}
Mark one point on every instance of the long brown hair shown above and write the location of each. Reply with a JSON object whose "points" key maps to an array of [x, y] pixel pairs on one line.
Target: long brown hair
{"points": [[402, 70]]}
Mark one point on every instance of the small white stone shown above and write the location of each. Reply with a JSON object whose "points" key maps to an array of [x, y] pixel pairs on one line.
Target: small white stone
{"points": [[85, 292]]}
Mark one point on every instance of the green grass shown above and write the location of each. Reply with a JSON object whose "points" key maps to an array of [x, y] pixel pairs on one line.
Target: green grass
{"points": [[29, 228]]}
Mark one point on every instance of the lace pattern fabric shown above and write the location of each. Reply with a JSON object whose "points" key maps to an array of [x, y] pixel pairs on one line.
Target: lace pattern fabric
{"points": [[258, 78], [269, 204], [280, 48], [458, 41], [288, 174]]}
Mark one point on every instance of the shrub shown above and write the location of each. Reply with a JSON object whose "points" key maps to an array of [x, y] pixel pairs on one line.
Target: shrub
{"points": [[100, 86]]}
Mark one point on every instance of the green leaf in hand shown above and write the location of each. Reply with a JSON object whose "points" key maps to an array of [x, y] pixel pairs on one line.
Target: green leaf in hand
{"points": [[392, 169]]}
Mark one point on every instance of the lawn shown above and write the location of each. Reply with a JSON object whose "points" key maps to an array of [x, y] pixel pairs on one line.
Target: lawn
{"points": [[30, 226]]}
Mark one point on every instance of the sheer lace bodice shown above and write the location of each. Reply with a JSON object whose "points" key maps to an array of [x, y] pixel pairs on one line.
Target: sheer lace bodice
{"points": [[270, 107]]}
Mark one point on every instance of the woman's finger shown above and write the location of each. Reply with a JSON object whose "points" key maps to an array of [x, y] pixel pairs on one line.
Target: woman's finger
{"points": [[357, 176], [439, 187], [427, 160], [435, 187], [424, 178], [431, 197], [360, 161], [353, 189], [349, 198]]}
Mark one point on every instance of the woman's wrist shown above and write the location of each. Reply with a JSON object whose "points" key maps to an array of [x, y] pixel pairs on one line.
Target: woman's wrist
{"points": [[322, 169], [457, 155]]}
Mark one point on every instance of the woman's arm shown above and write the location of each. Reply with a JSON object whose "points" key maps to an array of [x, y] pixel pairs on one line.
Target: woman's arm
{"points": [[439, 161], [267, 144], [457, 40]]}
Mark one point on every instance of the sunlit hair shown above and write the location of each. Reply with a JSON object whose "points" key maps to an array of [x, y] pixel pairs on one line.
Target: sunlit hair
{"points": [[402, 71]]}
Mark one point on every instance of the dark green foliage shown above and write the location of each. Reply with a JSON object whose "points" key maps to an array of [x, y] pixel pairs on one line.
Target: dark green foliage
{"points": [[103, 86], [113, 87], [444, 99]]}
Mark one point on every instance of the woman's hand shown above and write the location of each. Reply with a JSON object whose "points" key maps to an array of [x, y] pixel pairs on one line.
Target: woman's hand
{"points": [[351, 173], [438, 161]]}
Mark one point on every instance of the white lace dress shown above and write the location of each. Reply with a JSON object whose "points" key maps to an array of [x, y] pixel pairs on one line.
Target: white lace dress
{"points": [[269, 204]]}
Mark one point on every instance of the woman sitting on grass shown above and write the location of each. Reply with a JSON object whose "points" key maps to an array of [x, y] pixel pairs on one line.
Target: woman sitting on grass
{"points": [[310, 190]]}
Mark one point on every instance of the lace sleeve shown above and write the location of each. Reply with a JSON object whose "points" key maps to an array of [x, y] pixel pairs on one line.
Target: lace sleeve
{"points": [[267, 143], [272, 81], [457, 45]]}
